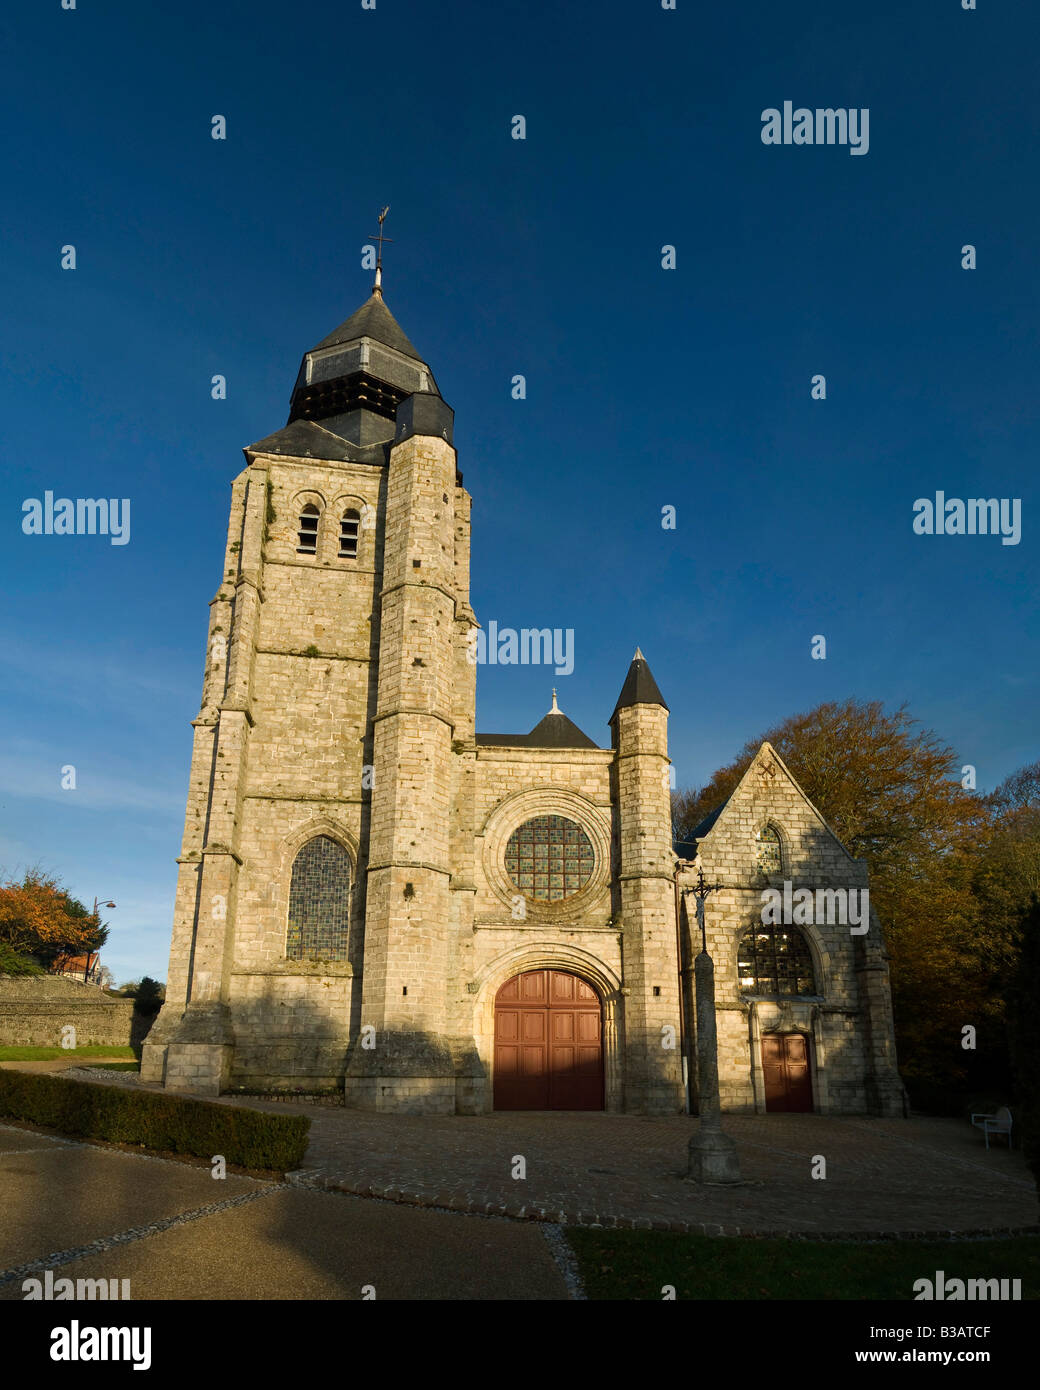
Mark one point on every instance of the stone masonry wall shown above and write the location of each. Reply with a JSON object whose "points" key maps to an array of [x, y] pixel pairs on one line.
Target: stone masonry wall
{"points": [[35, 1008]]}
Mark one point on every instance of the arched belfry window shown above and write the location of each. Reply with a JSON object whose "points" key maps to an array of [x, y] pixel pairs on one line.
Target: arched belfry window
{"points": [[319, 902], [308, 532], [349, 527], [768, 850], [775, 960]]}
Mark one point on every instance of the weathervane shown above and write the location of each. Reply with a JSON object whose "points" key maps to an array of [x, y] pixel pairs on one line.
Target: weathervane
{"points": [[377, 288]]}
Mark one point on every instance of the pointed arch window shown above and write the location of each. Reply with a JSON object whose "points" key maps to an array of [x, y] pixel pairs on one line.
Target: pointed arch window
{"points": [[349, 529], [775, 960], [319, 902], [308, 532], [769, 850]]}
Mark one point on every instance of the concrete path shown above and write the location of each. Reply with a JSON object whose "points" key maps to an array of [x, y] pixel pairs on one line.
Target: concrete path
{"points": [[176, 1233]]}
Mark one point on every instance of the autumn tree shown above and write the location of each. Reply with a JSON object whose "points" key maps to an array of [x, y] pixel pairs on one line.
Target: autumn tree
{"points": [[41, 921], [1008, 870]]}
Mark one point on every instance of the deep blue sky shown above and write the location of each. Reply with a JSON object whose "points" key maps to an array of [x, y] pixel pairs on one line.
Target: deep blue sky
{"points": [[646, 387]]}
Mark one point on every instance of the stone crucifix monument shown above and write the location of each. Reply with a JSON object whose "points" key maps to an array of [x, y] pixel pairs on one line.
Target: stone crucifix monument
{"points": [[712, 1154]]}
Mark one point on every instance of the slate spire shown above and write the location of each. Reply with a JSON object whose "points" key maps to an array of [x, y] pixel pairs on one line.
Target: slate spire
{"points": [[373, 320], [354, 380], [639, 688]]}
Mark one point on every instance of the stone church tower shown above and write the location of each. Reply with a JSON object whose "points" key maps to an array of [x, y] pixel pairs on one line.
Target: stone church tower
{"points": [[373, 896]]}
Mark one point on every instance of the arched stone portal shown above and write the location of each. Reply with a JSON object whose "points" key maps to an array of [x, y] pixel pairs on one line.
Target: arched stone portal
{"points": [[548, 1043]]}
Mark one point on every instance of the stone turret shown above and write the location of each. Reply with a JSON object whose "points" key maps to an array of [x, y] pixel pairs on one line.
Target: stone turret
{"points": [[647, 891]]}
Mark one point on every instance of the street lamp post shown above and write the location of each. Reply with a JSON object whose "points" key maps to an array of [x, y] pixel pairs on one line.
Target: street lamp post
{"points": [[86, 972], [712, 1154]]}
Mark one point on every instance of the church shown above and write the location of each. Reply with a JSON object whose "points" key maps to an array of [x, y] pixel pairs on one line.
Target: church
{"points": [[374, 896]]}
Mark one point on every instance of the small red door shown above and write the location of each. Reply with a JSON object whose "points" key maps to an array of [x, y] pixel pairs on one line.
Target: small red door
{"points": [[785, 1063], [548, 1043]]}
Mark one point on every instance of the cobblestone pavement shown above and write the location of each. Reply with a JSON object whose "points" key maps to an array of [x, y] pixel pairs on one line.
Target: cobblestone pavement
{"points": [[882, 1176], [920, 1176]]}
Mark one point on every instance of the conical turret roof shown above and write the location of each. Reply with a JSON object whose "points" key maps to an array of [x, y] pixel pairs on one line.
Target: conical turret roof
{"points": [[639, 688]]}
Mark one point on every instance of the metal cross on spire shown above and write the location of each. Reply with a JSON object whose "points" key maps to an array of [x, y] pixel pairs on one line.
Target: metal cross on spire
{"points": [[377, 288]]}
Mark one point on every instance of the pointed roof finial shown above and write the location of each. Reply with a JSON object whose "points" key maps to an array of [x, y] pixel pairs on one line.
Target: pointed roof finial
{"points": [[639, 656], [555, 708], [377, 288]]}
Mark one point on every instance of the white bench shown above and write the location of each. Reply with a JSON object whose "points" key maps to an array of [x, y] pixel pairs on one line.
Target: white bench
{"points": [[1000, 1123]]}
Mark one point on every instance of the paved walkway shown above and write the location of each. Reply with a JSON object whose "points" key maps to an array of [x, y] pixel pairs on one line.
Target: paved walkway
{"points": [[883, 1177], [175, 1233]]}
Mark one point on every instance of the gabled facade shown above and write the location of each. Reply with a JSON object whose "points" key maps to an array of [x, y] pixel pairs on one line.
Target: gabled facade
{"points": [[802, 994], [371, 894]]}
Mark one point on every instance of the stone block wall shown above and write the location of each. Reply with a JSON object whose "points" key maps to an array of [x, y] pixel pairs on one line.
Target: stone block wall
{"points": [[35, 1008]]}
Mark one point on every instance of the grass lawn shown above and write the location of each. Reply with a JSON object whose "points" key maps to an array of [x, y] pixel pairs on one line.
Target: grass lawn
{"points": [[638, 1265], [47, 1054]]}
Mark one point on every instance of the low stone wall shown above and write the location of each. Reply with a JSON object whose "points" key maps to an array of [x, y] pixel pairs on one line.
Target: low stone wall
{"points": [[35, 1008]]}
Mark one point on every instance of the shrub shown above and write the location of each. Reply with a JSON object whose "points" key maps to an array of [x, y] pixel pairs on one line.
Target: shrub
{"points": [[12, 963], [172, 1124]]}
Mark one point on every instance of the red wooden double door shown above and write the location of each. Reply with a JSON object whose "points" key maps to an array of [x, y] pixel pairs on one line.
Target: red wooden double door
{"points": [[548, 1043], [785, 1063]]}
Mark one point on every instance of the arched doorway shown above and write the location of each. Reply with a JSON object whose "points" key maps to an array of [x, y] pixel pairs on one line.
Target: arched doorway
{"points": [[548, 1043]]}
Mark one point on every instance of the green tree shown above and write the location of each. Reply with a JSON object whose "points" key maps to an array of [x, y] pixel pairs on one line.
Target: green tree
{"points": [[149, 996], [13, 963]]}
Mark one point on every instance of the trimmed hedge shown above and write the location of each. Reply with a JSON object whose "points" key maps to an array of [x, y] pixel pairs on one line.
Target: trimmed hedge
{"points": [[247, 1138]]}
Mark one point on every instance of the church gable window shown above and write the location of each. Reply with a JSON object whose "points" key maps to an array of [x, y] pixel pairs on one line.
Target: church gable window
{"points": [[319, 902], [549, 858], [308, 532], [768, 850], [775, 960], [349, 527]]}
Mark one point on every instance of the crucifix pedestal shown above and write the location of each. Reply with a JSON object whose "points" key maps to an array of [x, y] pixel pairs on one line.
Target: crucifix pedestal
{"points": [[712, 1155]]}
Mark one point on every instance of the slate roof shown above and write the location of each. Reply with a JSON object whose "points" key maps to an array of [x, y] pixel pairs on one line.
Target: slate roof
{"points": [[554, 731], [687, 849], [639, 688], [306, 439], [372, 320], [702, 827]]}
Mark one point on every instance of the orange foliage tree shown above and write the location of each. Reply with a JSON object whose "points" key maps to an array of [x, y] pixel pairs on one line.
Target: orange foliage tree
{"points": [[40, 919]]}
